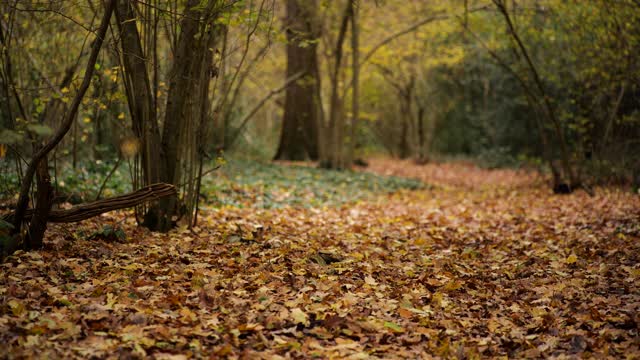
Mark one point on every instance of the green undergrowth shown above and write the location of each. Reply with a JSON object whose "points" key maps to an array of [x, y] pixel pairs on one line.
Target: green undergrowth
{"points": [[241, 183], [76, 185], [247, 183]]}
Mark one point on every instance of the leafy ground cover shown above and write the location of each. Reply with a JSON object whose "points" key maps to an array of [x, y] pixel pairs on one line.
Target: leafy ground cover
{"points": [[266, 185], [484, 264]]}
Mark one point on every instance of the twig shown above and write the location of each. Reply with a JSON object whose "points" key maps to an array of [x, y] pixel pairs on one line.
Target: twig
{"points": [[113, 170], [257, 107]]}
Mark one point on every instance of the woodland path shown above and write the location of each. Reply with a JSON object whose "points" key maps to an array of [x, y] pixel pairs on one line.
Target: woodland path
{"points": [[481, 264]]}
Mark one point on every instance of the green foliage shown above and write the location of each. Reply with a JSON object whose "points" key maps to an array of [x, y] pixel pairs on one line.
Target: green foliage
{"points": [[109, 233], [9, 182], [497, 157], [265, 185], [10, 137], [88, 177], [83, 182], [39, 129]]}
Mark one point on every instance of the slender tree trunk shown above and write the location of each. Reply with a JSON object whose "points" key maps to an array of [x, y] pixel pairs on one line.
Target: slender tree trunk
{"points": [[548, 108], [404, 138], [141, 103], [406, 96], [355, 64], [139, 95], [6, 114], [422, 138], [334, 156], [203, 106], [44, 194], [222, 85]]}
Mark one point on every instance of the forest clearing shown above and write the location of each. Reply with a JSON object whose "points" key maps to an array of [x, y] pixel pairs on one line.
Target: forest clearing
{"points": [[299, 179]]}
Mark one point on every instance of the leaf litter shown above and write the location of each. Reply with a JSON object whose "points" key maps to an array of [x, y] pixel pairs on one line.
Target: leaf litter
{"points": [[481, 265]]}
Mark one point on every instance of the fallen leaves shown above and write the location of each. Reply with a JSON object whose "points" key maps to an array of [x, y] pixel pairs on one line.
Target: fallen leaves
{"points": [[453, 271]]}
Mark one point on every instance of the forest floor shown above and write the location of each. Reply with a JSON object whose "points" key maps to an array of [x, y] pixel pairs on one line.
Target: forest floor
{"points": [[475, 264]]}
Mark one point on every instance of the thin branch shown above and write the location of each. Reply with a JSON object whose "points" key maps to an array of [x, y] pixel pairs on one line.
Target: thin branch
{"points": [[104, 183], [66, 124], [259, 105], [412, 28]]}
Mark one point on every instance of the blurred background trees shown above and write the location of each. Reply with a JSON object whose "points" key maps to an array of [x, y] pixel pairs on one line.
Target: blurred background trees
{"points": [[552, 83]]}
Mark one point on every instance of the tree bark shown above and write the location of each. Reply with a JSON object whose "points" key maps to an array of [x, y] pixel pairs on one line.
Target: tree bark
{"points": [[355, 94], [95, 208], [184, 83], [422, 139], [139, 96], [334, 155], [6, 114], [299, 135], [38, 224]]}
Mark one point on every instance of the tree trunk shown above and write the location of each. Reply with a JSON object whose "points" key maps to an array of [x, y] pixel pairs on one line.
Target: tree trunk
{"points": [[139, 95], [334, 158], [406, 96], [222, 85], [355, 67], [179, 127], [299, 136], [141, 104], [175, 154], [404, 138], [38, 224], [6, 114], [422, 138]]}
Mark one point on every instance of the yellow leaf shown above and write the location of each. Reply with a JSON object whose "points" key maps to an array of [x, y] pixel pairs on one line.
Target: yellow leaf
{"points": [[571, 259], [17, 308], [436, 299], [453, 285], [188, 316], [393, 327], [299, 317], [492, 325]]}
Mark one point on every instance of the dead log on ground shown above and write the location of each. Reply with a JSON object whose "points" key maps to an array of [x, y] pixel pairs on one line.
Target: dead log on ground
{"points": [[95, 208]]}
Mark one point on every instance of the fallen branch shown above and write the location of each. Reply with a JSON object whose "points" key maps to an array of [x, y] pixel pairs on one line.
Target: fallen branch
{"points": [[95, 208]]}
